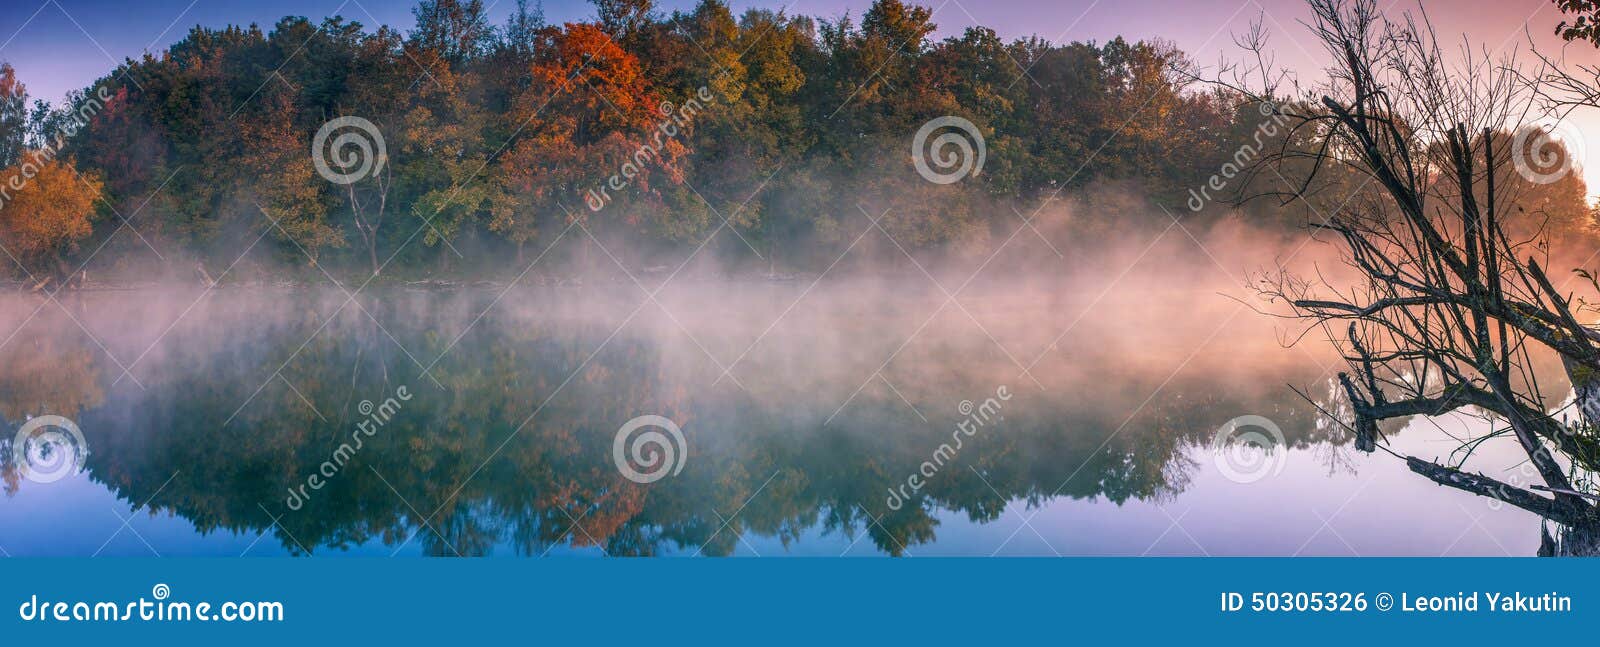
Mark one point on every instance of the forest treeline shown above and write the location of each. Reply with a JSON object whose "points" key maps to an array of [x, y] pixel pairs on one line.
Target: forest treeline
{"points": [[499, 139]]}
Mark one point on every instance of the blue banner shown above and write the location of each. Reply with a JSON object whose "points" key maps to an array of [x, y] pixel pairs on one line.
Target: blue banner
{"points": [[799, 601]]}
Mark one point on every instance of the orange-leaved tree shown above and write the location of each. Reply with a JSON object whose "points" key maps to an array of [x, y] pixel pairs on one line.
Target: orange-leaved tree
{"points": [[588, 114], [47, 211]]}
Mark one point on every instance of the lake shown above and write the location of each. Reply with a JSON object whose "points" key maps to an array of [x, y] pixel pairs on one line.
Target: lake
{"points": [[845, 417]]}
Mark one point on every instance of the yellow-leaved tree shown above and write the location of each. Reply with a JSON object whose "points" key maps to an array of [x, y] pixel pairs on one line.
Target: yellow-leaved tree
{"points": [[46, 212]]}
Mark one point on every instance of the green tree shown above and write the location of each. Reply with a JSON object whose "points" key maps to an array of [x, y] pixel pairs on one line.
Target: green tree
{"points": [[458, 31], [13, 116]]}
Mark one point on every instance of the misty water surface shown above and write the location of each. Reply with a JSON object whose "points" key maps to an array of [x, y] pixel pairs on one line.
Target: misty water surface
{"points": [[801, 405]]}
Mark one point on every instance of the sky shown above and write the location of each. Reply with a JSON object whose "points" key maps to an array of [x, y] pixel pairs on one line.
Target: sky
{"points": [[60, 45]]}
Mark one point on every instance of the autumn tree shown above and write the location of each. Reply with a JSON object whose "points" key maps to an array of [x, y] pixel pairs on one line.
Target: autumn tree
{"points": [[375, 89], [44, 220], [587, 115], [442, 155], [286, 187]]}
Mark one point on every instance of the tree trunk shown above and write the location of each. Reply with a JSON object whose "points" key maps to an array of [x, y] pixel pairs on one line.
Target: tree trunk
{"points": [[583, 264], [65, 275], [1586, 387], [372, 253], [1570, 542]]}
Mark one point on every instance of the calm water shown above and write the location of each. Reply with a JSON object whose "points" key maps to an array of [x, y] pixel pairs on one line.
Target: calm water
{"points": [[800, 409]]}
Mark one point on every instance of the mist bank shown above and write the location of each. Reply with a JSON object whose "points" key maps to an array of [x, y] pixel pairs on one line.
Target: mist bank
{"points": [[822, 397], [842, 388], [1077, 238]]}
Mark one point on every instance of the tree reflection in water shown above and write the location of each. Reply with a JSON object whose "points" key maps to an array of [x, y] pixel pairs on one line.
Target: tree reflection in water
{"points": [[507, 440]]}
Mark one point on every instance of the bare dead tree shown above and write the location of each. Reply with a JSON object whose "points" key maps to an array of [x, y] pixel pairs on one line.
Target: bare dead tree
{"points": [[1446, 313], [368, 213]]}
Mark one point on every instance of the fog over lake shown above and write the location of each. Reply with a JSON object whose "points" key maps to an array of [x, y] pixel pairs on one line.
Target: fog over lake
{"points": [[817, 417]]}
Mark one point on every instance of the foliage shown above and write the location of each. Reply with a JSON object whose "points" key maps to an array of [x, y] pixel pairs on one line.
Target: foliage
{"points": [[500, 137], [1585, 20], [49, 215]]}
